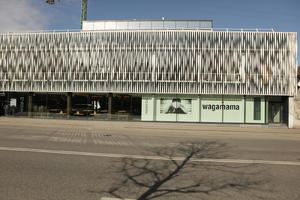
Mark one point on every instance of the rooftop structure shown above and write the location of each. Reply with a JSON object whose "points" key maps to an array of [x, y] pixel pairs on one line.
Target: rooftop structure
{"points": [[147, 25]]}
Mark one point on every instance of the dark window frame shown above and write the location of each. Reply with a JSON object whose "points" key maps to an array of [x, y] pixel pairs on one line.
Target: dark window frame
{"points": [[257, 108]]}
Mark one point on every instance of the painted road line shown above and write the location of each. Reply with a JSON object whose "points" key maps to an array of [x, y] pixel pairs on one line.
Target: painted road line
{"points": [[108, 198], [111, 155]]}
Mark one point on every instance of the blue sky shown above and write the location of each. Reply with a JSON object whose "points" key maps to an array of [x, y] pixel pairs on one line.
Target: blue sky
{"points": [[282, 15]]}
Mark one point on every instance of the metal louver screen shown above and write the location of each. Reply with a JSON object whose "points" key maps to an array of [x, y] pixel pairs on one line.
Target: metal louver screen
{"points": [[182, 62]]}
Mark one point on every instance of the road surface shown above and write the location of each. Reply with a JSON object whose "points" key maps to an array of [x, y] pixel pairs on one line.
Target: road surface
{"points": [[72, 159]]}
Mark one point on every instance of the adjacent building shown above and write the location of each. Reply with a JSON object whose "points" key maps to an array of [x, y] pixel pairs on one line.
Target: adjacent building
{"points": [[151, 70]]}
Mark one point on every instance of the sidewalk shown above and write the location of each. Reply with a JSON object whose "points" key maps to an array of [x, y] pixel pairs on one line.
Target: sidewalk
{"points": [[153, 127]]}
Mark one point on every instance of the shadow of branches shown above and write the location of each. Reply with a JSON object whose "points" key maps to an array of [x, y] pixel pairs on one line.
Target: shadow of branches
{"points": [[189, 169]]}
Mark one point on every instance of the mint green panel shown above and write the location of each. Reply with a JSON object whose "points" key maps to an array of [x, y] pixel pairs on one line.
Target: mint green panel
{"points": [[191, 106], [210, 111], [250, 109], [148, 108], [233, 109], [166, 109]]}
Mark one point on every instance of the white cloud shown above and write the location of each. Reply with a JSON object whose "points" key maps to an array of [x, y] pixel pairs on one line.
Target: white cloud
{"points": [[16, 15]]}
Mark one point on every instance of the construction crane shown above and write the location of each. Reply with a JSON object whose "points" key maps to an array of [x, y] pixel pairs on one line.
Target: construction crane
{"points": [[83, 9]]}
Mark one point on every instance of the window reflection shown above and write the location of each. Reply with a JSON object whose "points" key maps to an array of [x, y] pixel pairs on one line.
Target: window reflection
{"points": [[122, 25], [193, 25], [99, 25], [145, 25], [133, 25], [110, 25], [169, 25], [157, 25], [181, 25]]}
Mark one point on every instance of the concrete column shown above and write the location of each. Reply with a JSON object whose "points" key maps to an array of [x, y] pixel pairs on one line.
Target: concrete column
{"points": [[131, 106], [291, 114], [29, 105], [69, 104], [109, 112]]}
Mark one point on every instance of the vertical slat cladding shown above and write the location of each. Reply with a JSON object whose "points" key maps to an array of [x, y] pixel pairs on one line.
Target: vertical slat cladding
{"points": [[150, 62]]}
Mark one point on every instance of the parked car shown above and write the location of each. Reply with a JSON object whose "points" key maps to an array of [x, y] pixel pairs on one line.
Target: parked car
{"points": [[83, 109]]}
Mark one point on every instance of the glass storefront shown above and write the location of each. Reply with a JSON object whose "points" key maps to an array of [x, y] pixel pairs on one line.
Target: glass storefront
{"points": [[127, 107], [72, 106]]}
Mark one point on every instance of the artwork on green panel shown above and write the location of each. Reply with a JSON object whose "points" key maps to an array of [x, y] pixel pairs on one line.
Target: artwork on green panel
{"points": [[176, 106]]}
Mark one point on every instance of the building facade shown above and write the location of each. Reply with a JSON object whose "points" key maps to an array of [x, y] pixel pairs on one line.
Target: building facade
{"points": [[151, 70]]}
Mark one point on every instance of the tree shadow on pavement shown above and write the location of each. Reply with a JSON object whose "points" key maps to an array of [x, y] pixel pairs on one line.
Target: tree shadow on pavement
{"points": [[190, 170]]}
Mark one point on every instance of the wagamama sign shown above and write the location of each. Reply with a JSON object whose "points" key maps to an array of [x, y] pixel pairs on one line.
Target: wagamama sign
{"points": [[220, 107]]}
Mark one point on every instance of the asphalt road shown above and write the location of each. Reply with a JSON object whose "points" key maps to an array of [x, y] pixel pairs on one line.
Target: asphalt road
{"points": [[67, 159]]}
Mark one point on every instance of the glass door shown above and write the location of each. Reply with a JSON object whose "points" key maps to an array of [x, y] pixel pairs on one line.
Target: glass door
{"points": [[275, 112]]}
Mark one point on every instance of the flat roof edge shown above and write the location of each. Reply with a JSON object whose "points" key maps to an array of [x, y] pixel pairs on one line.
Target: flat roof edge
{"points": [[140, 30], [150, 20]]}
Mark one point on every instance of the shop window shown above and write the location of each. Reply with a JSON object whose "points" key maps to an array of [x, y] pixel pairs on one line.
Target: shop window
{"points": [[257, 109]]}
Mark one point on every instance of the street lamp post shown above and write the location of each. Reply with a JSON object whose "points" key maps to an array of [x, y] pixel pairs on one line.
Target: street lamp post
{"points": [[83, 10]]}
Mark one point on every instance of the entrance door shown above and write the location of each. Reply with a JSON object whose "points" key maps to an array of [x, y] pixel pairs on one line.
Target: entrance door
{"points": [[275, 112]]}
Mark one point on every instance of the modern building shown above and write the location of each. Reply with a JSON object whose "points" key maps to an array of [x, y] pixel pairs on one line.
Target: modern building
{"points": [[151, 70]]}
